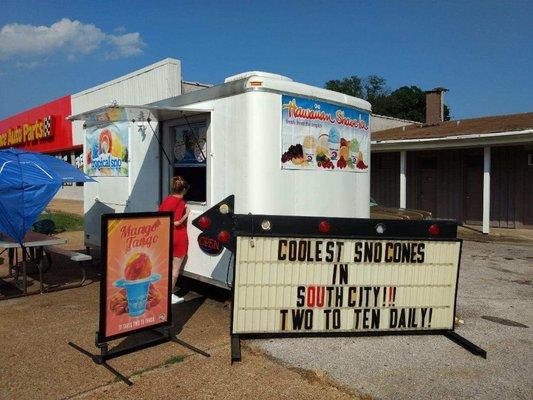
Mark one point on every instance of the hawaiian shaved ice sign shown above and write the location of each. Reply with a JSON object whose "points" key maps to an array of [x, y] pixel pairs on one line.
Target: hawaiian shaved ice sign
{"points": [[318, 135]]}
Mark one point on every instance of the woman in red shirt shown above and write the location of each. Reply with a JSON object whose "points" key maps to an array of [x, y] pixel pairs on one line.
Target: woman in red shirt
{"points": [[177, 205]]}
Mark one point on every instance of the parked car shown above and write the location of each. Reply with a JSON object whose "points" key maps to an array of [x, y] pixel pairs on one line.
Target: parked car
{"points": [[379, 212]]}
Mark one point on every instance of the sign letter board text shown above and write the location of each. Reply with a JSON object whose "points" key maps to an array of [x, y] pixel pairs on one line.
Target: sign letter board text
{"points": [[311, 285]]}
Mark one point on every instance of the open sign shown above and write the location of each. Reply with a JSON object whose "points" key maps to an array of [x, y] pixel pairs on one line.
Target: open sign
{"points": [[209, 244]]}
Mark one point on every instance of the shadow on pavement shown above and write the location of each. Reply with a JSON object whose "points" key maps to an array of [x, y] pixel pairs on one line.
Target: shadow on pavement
{"points": [[195, 294]]}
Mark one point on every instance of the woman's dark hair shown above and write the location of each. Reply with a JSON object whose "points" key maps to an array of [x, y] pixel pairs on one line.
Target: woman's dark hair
{"points": [[179, 185]]}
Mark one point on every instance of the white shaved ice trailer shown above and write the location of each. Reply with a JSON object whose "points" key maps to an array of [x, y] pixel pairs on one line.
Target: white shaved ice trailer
{"points": [[281, 147]]}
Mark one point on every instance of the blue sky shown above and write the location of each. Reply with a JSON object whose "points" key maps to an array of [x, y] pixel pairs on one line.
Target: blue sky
{"points": [[481, 51]]}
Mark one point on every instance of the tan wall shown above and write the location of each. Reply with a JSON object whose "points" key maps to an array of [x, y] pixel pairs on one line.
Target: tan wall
{"points": [[187, 87], [70, 193], [381, 122]]}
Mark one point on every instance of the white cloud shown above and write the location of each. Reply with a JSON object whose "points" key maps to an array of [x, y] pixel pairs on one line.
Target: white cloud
{"points": [[128, 44], [27, 64], [72, 38]]}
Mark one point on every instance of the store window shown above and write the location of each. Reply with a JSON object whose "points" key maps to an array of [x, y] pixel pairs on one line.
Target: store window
{"points": [[190, 155], [66, 158], [78, 162], [75, 158]]}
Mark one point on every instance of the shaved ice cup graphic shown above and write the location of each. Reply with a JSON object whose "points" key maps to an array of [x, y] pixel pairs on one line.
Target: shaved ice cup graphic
{"points": [[334, 143], [354, 150], [137, 293], [309, 147]]}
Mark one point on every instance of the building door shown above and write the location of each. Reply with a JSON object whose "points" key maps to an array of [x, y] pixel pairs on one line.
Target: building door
{"points": [[385, 179], [527, 218], [473, 190], [427, 197]]}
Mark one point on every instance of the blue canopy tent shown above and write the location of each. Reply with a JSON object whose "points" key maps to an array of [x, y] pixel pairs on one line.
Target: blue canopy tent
{"points": [[28, 181]]}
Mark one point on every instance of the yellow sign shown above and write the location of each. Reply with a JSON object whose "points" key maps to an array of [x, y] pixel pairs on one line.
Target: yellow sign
{"points": [[301, 285], [40, 129]]}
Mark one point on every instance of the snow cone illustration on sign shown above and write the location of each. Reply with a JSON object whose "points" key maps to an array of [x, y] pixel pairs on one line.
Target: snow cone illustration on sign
{"points": [[106, 149], [137, 272], [318, 135], [334, 143], [309, 147], [138, 291]]}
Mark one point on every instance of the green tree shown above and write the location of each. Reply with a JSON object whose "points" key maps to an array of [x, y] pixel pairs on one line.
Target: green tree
{"points": [[446, 112], [406, 102], [375, 89], [351, 86]]}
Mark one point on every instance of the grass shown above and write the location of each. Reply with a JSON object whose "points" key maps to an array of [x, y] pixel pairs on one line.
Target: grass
{"points": [[64, 221], [168, 361], [174, 360]]}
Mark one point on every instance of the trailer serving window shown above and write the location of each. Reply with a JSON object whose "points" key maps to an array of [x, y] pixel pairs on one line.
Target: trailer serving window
{"points": [[190, 154]]}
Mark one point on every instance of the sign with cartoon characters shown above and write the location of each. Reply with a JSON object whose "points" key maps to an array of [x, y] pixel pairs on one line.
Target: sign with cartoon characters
{"points": [[318, 135], [106, 149], [135, 285]]}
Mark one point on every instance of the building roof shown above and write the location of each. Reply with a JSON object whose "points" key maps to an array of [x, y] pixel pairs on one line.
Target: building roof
{"points": [[465, 127]]}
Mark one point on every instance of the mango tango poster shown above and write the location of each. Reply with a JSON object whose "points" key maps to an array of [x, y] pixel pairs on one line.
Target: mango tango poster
{"points": [[137, 276]]}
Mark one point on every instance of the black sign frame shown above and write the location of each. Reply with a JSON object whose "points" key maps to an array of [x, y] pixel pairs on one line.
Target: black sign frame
{"points": [[250, 225], [347, 333], [106, 218]]}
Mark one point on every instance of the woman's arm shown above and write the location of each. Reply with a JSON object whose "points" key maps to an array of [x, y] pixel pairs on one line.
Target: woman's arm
{"points": [[184, 218]]}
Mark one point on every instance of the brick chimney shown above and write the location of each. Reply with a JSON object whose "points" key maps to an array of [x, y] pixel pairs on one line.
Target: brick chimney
{"points": [[435, 105]]}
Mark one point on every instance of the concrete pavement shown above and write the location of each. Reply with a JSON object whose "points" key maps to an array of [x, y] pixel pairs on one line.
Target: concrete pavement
{"points": [[495, 284], [494, 300], [36, 361]]}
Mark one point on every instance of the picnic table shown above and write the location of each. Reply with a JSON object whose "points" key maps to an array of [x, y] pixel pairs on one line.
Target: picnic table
{"points": [[32, 240]]}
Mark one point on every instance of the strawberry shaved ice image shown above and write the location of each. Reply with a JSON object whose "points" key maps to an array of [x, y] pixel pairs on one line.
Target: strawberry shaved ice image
{"points": [[138, 267], [137, 294], [105, 141]]}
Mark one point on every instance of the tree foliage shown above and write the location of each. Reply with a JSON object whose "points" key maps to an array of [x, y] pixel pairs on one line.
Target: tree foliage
{"points": [[406, 102], [351, 86]]}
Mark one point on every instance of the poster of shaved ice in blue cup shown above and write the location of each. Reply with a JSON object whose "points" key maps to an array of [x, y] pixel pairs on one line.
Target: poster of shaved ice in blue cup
{"points": [[317, 135], [136, 282]]}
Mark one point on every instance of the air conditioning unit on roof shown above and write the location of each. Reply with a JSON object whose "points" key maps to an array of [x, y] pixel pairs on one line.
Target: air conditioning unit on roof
{"points": [[261, 74]]}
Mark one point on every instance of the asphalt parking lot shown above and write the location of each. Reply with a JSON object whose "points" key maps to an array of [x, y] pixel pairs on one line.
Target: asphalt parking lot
{"points": [[494, 300]]}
